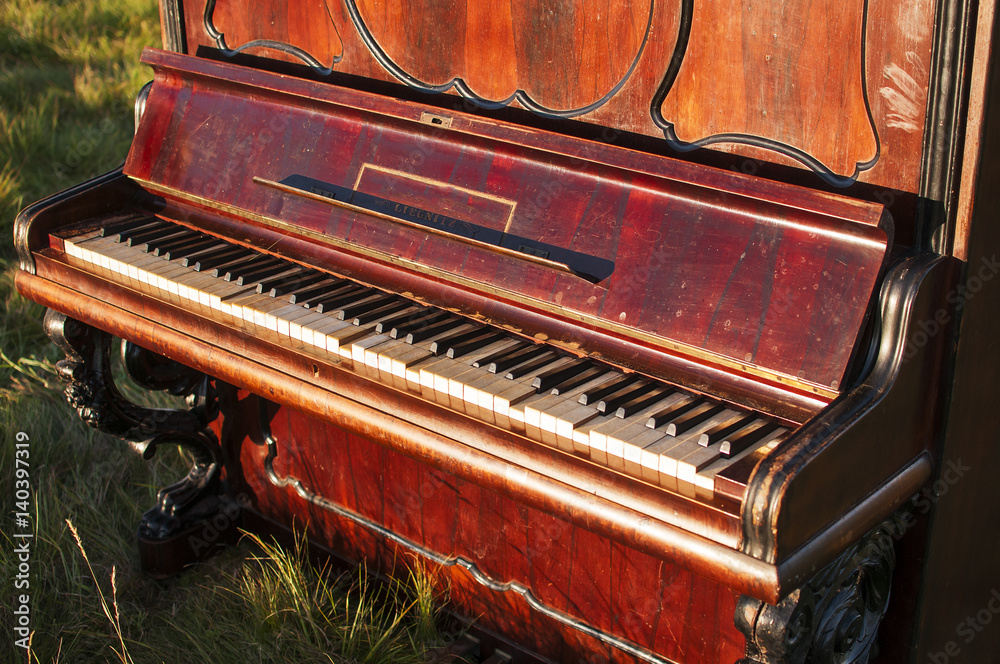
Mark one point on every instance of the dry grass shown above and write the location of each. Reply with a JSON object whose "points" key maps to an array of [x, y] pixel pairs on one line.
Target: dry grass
{"points": [[68, 73]]}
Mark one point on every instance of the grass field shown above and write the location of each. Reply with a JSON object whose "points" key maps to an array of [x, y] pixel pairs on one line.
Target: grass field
{"points": [[68, 74]]}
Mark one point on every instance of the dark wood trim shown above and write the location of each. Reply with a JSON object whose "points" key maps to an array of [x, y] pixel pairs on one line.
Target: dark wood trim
{"points": [[172, 25], [797, 490], [944, 129]]}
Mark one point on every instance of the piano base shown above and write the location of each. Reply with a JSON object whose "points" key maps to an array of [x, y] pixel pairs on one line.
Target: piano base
{"points": [[533, 578]]}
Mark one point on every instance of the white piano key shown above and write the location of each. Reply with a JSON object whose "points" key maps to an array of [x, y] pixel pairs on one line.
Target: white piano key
{"points": [[625, 444]]}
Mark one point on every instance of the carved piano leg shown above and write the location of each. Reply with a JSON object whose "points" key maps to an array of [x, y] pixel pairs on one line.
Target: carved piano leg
{"points": [[834, 617], [191, 517]]}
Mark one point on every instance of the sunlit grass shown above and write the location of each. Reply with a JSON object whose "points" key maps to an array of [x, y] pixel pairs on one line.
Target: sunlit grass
{"points": [[68, 74]]}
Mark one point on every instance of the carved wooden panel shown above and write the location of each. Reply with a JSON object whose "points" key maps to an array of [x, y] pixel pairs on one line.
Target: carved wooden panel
{"points": [[496, 52], [297, 31], [839, 88], [802, 75]]}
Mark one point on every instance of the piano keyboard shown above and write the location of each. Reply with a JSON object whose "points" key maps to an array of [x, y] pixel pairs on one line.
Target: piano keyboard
{"points": [[649, 429]]}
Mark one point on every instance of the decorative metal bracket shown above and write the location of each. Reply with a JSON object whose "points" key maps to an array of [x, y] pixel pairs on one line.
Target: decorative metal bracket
{"points": [[185, 506], [834, 617]]}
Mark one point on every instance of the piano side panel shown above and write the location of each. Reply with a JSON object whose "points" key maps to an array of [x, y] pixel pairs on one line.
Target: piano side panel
{"points": [[613, 588], [696, 265]]}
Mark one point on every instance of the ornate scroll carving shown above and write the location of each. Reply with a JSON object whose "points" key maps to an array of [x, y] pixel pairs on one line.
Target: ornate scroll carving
{"points": [[563, 59], [277, 30], [791, 79], [186, 505], [834, 617]]}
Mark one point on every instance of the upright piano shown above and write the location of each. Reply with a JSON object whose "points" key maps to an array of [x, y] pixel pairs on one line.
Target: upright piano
{"points": [[656, 331]]}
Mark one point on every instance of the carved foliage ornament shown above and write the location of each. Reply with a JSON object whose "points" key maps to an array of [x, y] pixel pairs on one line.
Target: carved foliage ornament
{"points": [[91, 389], [834, 617]]}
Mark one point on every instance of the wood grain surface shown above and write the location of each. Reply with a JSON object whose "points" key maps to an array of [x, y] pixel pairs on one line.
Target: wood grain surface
{"points": [[650, 603], [772, 280], [838, 88]]}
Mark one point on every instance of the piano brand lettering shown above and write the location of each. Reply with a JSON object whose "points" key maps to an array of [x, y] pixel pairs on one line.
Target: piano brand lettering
{"points": [[323, 192], [436, 220]]}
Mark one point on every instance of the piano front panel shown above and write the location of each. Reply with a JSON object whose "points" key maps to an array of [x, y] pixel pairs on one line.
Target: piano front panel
{"points": [[444, 522], [760, 282]]}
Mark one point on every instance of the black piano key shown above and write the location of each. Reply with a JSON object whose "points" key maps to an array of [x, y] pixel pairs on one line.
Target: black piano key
{"points": [[383, 311], [220, 250], [182, 249], [448, 342], [285, 284], [610, 403], [642, 402], [472, 345], [125, 226], [149, 224], [735, 444], [595, 394], [693, 418], [400, 329], [235, 270], [723, 429], [504, 364], [419, 313], [185, 237], [311, 294], [376, 301], [150, 246], [534, 366], [221, 258], [570, 384], [256, 275], [548, 379], [154, 232], [667, 414], [341, 298], [431, 330], [503, 352]]}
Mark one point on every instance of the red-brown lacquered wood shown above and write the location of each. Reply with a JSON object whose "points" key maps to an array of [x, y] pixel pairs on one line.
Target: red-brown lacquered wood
{"points": [[621, 509], [94, 200], [499, 51], [614, 589], [838, 87], [776, 284], [295, 29], [868, 434], [793, 78], [751, 391], [639, 515]]}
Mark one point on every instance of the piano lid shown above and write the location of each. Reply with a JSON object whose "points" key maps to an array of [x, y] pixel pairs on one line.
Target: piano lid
{"points": [[763, 278]]}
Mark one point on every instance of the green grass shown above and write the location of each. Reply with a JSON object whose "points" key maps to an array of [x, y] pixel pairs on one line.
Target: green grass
{"points": [[68, 74]]}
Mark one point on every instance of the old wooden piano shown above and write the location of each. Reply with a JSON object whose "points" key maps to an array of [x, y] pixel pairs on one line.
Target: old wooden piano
{"points": [[645, 325]]}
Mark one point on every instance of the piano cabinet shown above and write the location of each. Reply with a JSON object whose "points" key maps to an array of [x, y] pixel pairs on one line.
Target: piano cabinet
{"points": [[636, 375], [540, 548]]}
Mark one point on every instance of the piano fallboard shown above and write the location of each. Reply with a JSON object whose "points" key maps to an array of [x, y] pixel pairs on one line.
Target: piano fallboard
{"points": [[753, 277]]}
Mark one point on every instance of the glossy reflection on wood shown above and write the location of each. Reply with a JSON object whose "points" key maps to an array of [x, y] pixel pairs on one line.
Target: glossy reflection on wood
{"points": [[839, 88], [652, 604]]}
